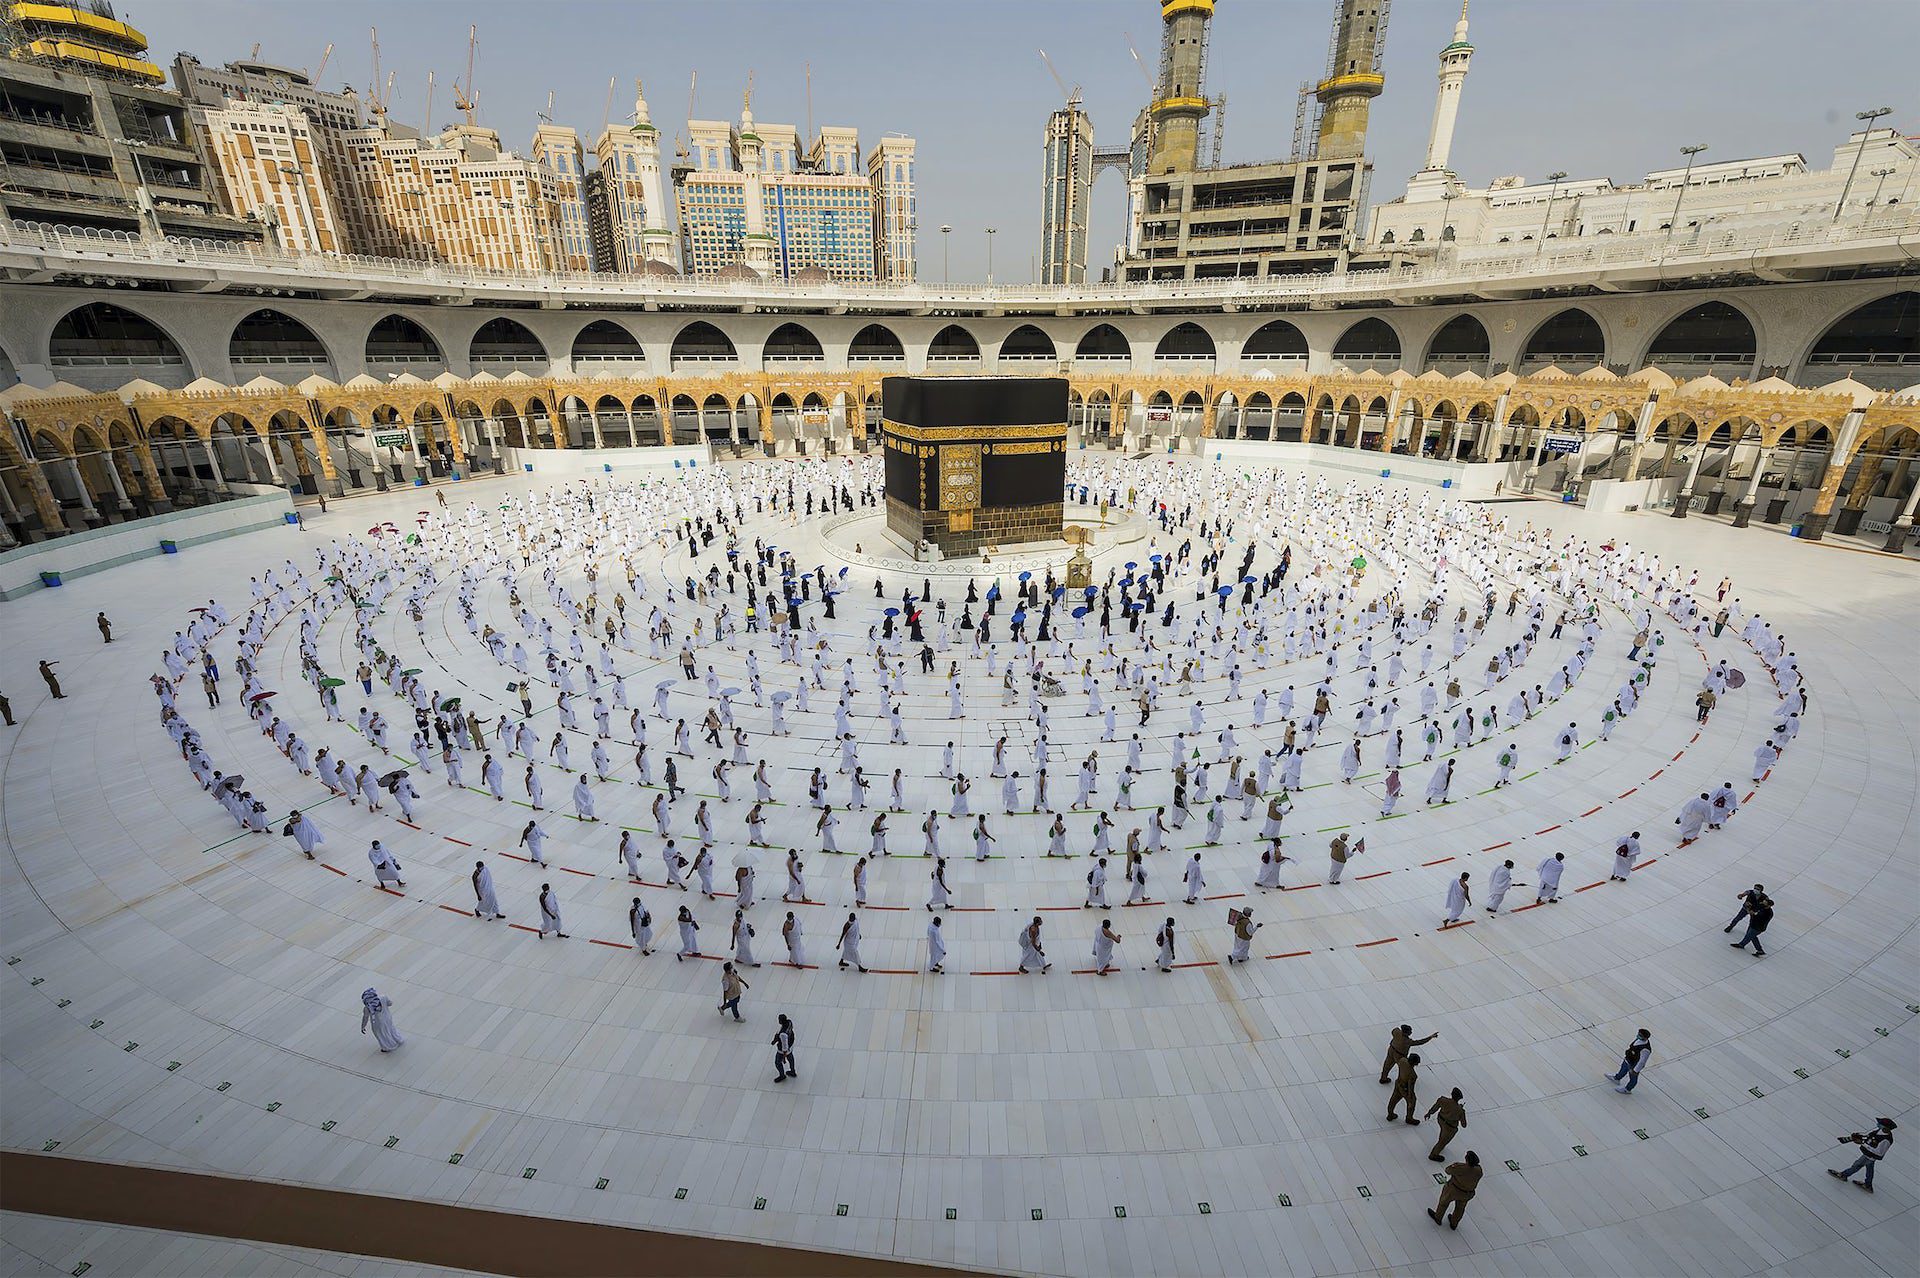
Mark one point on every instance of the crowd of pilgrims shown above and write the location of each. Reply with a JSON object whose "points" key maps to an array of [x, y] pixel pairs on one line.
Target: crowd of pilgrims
{"points": [[1362, 598]]}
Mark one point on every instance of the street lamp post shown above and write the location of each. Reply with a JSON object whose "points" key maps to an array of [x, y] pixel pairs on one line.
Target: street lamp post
{"points": [[1681, 194], [1556, 177], [1869, 117], [991, 232], [1447, 197], [1881, 174], [946, 232]]}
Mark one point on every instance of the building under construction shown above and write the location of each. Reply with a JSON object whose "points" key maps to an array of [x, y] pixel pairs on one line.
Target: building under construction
{"points": [[1280, 217]]}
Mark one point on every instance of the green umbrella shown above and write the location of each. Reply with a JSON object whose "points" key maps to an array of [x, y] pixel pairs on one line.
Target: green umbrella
{"points": [[333, 683], [451, 703], [411, 670]]}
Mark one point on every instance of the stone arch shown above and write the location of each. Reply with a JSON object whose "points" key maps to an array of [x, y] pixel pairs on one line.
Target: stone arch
{"points": [[271, 337], [605, 342], [503, 340], [876, 344], [648, 427], [684, 411], [702, 343], [1028, 343], [1715, 335], [1885, 331], [716, 419], [513, 430], [1276, 341], [1368, 343], [792, 343], [1459, 345], [953, 344], [1571, 338], [108, 335], [1103, 342], [396, 339], [1184, 342]]}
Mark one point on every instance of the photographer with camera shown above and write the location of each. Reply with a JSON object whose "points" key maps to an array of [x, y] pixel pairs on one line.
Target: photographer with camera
{"points": [[1873, 1147]]}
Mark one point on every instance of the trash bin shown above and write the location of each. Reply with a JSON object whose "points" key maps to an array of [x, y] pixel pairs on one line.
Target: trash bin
{"points": [[1795, 530], [171, 547], [49, 579]]}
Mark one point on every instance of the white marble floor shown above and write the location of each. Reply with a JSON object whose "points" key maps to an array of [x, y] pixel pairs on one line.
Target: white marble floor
{"points": [[178, 996], [53, 1247]]}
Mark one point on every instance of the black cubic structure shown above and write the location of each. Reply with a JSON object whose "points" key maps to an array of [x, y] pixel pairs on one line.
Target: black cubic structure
{"points": [[974, 462]]}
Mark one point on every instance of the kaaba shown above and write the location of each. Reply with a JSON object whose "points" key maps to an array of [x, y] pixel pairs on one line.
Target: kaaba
{"points": [[974, 462]]}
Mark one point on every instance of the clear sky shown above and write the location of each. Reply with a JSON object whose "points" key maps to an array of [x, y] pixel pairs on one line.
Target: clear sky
{"points": [[1598, 88]]}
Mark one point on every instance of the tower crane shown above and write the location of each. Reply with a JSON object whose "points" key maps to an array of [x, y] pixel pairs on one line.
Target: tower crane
{"points": [[1071, 95], [1140, 62], [377, 100], [464, 98], [321, 69]]}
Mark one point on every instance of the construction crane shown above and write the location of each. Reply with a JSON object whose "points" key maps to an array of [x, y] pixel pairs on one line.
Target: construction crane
{"points": [[464, 98], [377, 101], [255, 55], [679, 144], [322, 68], [1300, 121], [427, 128], [1141, 63], [1071, 95]]}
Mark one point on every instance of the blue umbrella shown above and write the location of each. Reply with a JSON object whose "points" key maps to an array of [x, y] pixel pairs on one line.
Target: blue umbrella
{"points": [[1224, 591], [1249, 579], [1092, 591], [1081, 612], [1156, 558], [843, 572], [1025, 575], [1020, 618], [793, 601], [1131, 565], [1058, 591], [892, 612]]}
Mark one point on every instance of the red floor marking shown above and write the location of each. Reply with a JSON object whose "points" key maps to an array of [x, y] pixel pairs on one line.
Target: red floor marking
{"points": [[1676, 758], [798, 967], [336, 869], [1376, 874], [1387, 940], [389, 891], [1749, 798], [462, 842], [956, 909], [517, 857], [1685, 843], [892, 971], [1590, 811], [612, 945], [1589, 887], [1200, 963], [1053, 908], [1497, 846], [585, 874], [1292, 954], [410, 825], [1455, 927], [1622, 796], [1767, 775], [1521, 908], [1135, 904], [1007, 973], [1549, 830], [1224, 896], [522, 927], [1644, 864], [454, 909], [1695, 737], [1301, 888], [1442, 861], [1656, 775]]}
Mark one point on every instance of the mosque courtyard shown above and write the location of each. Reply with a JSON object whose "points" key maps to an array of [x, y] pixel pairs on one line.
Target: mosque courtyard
{"points": [[182, 993]]}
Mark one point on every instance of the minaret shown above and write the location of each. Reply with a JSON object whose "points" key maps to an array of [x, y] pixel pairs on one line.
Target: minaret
{"points": [[757, 246], [656, 242], [1453, 73], [1179, 100], [1352, 83]]}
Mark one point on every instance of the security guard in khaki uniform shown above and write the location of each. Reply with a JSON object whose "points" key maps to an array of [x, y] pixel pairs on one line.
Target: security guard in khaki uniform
{"points": [[1402, 1042], [1452, 1116], [1463, 1181], [1407, 1073]]}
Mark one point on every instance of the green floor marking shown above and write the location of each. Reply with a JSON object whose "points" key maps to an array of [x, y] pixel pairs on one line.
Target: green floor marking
{"points": [[96, 1024], [1206, 1209], [1700, 1113], [1037, 1215], [1641, 1132], [528, 1173], [1366, 1192], [1581, 1150], [1883, 1033], [50, 1146], [1119, 1212], [601, 1183], [1800, 1073], [1842, 1053], [759, 1204], [680, 1192], [1756, 1093], [1512, 1166], [273, 1107], [392, 1141], [130, 1046], [1284, 1200], [223, 1087], [172, 1066], [63, 1002], [329, 1125], [840, 1209], [455, 1160]]}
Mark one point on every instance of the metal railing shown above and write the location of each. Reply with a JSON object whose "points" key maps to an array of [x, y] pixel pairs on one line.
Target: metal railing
{"points": [[1726, 247]]}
